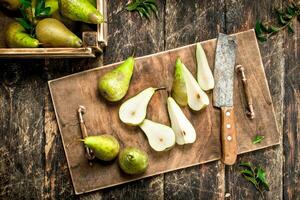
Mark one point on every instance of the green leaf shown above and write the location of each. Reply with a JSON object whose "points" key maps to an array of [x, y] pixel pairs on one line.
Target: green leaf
{"points": [[25, 23], [143, 7], [261, 38], [247, 172], [258, 28], [26, 3], [252, 180], [281, 20], [290, 29], [258, 139], [245, 164], [41, 10]]}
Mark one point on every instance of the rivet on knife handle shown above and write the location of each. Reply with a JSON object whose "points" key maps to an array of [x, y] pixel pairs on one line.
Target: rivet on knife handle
{"points": [[250, 111], [228, 136], [89, 153]]}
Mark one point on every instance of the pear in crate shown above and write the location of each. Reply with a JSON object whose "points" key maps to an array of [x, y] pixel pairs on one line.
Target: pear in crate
{"points": [[17, 37], [52, 33], [81, 10]]}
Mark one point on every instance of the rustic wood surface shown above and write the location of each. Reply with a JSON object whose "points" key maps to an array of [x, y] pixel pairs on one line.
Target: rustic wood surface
{"points": [[102, 117], [33, 165]]}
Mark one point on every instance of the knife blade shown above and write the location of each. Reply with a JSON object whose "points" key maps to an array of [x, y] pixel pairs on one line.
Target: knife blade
{"points": [[223, 94]]}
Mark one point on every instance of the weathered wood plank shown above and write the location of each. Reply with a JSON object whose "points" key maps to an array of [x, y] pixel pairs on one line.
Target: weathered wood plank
{"points": [[129, 33], [242, 15], [187, 22], [21, 133], [291, 142]]}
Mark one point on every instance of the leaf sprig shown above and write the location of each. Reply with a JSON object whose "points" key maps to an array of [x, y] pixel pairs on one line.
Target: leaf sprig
{"points": [[27, 19], [143, 7], [256, 176], [257, 139], [285, 19]]}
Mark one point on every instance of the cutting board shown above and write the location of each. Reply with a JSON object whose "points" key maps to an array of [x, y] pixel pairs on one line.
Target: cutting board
{"points": [[156, 71]]}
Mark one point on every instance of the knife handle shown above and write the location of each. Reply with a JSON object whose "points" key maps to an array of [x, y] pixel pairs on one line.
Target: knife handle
{"points": [[228, 136]]}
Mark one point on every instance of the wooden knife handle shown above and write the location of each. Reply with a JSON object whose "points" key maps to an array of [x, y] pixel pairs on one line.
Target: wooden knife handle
{"points": [[228, 136]]}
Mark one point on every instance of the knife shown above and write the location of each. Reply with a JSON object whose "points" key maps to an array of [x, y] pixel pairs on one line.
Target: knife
{"points": [[223, 95]]}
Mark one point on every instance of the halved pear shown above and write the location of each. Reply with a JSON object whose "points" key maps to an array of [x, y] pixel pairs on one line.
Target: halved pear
{"points": [[133, 111], [182, 127], [196, 97], [178, 88], [204, 75], [160, 137]]}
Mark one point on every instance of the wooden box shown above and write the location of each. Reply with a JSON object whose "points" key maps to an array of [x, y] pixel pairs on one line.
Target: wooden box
{"points": [[94, 40]]}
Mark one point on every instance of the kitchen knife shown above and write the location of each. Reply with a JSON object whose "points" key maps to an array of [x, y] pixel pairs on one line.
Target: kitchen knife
{"points": [[223, 95]]}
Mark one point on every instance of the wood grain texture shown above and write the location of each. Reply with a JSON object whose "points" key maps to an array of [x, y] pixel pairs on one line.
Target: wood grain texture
{"points": [[21, 133], [81, 89], [187, 22], [240, 16], [291, 142]]}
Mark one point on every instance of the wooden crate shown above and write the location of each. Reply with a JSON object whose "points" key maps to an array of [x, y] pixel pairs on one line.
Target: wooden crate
{"points": [[93, 41]]}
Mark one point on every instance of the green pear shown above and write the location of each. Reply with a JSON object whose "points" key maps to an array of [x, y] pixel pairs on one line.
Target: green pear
{"points": [[53, 33], [133, 111], [160, 136], [133, 160], [53, 5], [114, 85], [16, 37], [12, 5], [104, 147], [178, 87], [81, 10]]}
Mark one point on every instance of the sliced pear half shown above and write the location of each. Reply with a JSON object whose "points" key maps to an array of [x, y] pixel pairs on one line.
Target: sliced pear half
{"points": [[182, 127], [160, 137], [197, 98], [133, 111], [204, 75]]}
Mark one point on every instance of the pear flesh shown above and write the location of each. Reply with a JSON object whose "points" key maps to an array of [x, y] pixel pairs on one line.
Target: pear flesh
{"points": [[17, 37], [133, 111], [204, 75], [104, 147], [133, 160], [53, 33], [160, 137], [184, 131], [114, 85], [81, 10], [197, 98]]}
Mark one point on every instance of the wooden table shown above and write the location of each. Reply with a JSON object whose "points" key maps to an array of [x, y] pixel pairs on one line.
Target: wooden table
{"points": [[33, 165]]}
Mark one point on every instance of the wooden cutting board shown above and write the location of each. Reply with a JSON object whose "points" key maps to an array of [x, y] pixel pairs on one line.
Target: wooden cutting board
{"points": [[157, 70]]}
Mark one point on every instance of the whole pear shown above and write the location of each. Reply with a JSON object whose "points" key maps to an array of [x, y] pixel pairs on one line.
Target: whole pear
{"points": [[53, 5], [53, 33], [11, 4], [104, 147], [114, 85], [179, 92], [81, 10], [16, 37], [133, 160]]}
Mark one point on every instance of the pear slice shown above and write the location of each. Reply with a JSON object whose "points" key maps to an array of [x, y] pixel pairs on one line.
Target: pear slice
{"points": [[182, 127], [133, 111], [178, 88], [204, 75], [160, 137], [197, 98]]}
